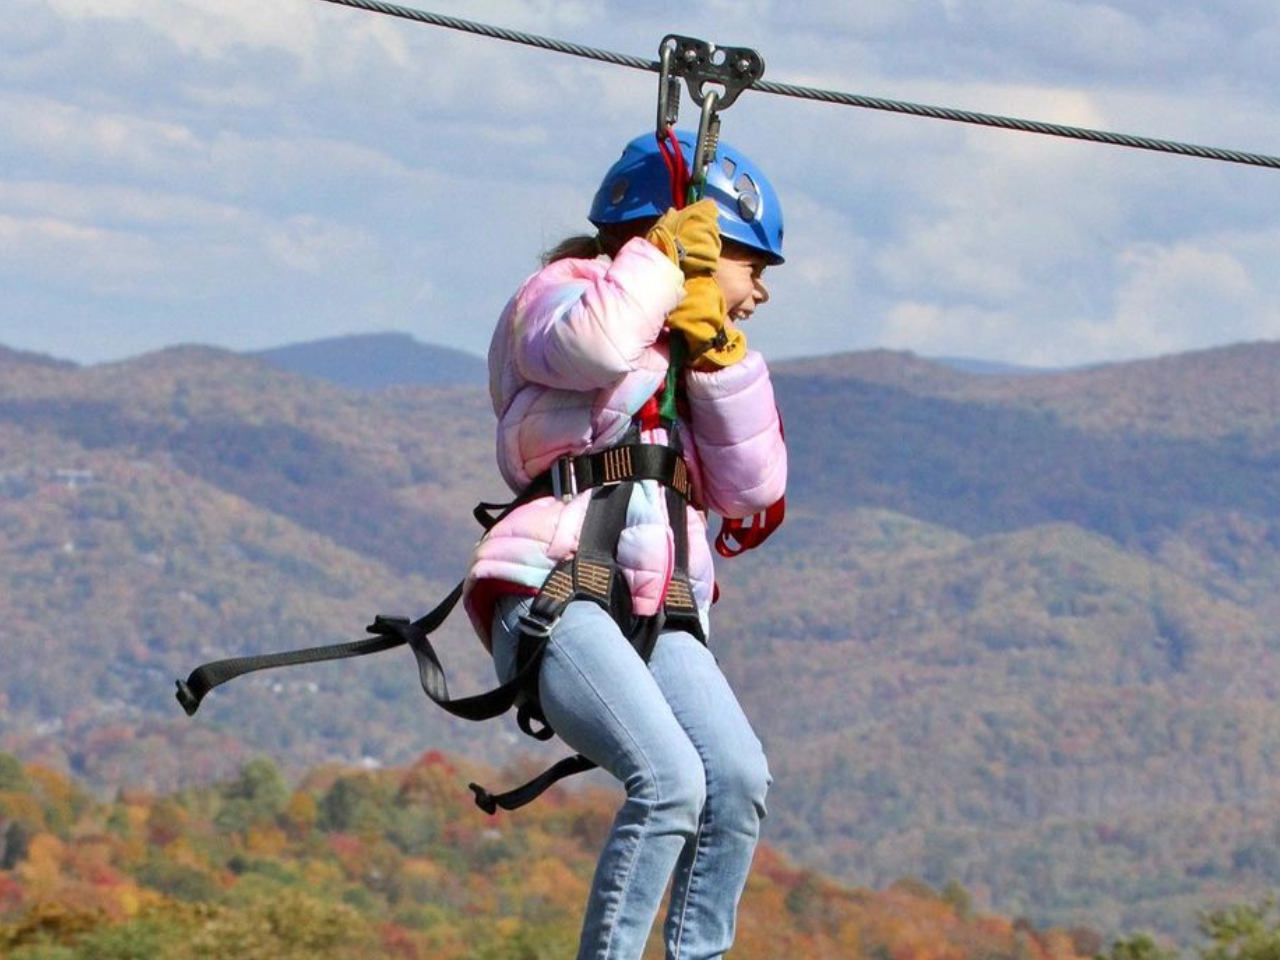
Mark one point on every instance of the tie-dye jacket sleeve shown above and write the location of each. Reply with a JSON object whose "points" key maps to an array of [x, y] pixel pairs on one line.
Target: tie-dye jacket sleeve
{"points": [[576, 327], [737, 432]]}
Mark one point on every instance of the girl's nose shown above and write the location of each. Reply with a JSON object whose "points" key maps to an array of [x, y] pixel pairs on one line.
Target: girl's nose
{"points": [[762, 290]]}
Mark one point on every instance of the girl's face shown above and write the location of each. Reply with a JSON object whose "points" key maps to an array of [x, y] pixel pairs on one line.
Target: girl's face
{"points": [[739, 275]]}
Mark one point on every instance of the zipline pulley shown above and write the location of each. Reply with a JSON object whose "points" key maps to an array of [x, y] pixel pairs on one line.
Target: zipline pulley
{"points": [[714, 77]]}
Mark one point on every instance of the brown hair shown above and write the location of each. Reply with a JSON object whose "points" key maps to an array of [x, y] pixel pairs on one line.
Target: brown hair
{"points": [[611, 238]]}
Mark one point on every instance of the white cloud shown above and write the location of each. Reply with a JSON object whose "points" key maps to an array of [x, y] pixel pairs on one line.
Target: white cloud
{"points": [[202, 29], [99, 261], [939, 330], [310, 245], [114, 241], [1170, 298], [818, 298], [113, 204], [65, 135], [1185, 295], [296, 168]]}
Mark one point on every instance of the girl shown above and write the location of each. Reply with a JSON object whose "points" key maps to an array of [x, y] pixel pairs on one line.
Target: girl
{"points": [[578, 374]]}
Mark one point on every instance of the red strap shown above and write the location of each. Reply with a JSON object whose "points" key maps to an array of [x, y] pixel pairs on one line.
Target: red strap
{"points": [[738, 536], [649, 417]]}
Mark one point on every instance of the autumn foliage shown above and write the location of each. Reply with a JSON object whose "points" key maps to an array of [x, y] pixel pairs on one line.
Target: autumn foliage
{"points": [[395, 863]]}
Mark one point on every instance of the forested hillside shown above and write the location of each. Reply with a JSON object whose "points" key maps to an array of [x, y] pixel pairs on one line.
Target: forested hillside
{"points": [[1019, 632], [358, 864]]}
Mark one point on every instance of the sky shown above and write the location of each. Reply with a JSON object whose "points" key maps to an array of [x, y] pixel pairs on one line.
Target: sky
{"points": [[251, 173]]}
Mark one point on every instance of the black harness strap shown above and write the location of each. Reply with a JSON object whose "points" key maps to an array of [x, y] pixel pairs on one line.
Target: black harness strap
{"points": [[388, 633], [570, 475], [590, 574], [679, 606]]}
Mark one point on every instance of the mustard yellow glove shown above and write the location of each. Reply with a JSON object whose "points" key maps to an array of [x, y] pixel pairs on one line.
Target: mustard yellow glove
{"points": [[700, 319], [690, 237]]}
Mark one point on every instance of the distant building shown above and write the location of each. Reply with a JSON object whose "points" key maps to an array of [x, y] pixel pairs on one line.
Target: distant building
{"points": [[72, 478]]}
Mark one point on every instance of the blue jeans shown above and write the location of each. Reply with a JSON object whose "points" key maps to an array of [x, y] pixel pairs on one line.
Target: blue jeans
{"points": [[694, 772]]}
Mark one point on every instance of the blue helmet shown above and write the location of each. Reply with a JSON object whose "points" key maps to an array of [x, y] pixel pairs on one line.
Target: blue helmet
{"points": [[638, 186]]}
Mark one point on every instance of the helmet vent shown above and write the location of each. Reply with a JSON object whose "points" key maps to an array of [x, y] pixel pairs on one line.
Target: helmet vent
{"points": [[619, 191], [748, 198], [729, 167]]}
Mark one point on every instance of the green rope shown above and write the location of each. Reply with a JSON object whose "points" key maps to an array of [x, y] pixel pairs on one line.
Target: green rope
{"points": [[679, 354], [679, 349]]}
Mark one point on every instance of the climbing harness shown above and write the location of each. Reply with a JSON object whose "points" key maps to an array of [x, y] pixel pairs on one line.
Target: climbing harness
{"points": [[610, 476], [590, 574]]}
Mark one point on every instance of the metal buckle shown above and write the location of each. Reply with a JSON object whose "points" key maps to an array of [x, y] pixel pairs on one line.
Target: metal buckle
{"points": [[534, 627], [564, 482]]}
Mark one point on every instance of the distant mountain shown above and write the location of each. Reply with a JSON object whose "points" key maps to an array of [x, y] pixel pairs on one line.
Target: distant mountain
{"points": [[990, 367], [1017, 631], [377, 361], [25, 358]]}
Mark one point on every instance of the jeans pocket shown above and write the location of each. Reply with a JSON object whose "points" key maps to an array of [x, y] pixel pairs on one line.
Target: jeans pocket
{"points": [[506, 634]]}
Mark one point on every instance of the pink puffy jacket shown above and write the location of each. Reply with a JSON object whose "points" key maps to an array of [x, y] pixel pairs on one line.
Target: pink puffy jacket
{"points": [[577, 352]]}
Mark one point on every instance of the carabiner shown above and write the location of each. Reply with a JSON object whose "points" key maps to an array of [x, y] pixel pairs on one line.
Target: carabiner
{"points": [[704, 153], [668, 90]]}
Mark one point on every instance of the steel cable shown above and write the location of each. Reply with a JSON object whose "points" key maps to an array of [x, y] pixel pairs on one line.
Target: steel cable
{"points": [[1025, 126], [829, 96], [500, 33]]}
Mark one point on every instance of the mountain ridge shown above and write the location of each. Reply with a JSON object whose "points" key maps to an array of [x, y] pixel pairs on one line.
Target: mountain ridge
{"points": [[375, 361], [990, 644]]}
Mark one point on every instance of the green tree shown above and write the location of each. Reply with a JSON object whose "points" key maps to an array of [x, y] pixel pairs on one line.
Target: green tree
{"points": [[14, 844], [354, 803], [1138, 947], [960, 899], [258, 796], [291, 926], [1242, 932], [13, 776]]}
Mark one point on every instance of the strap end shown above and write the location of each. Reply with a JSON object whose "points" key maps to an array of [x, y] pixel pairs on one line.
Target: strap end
{"points": [[485, 800], [185, 696], [383, 625]]}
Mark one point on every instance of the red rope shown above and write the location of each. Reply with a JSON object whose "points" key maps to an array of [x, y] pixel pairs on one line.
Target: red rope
{"points": [[677, 169]]}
